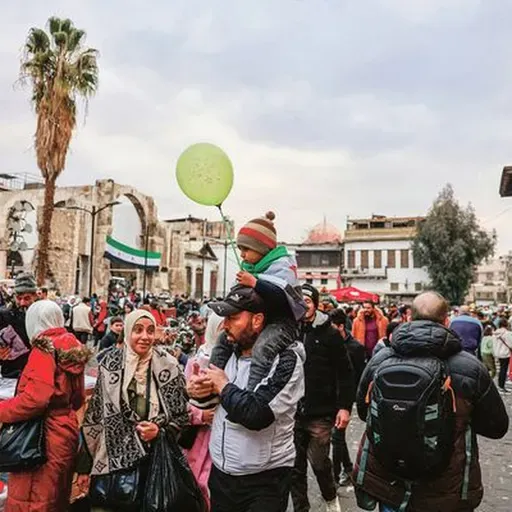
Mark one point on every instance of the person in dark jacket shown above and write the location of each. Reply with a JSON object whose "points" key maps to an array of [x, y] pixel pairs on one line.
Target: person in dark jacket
{"points": [[327, 403], [357, 356], [111, 339], [479, 411], [14, 341]]}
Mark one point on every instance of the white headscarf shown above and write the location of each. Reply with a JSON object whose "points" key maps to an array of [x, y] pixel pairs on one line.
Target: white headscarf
{"points": [[41, 316], [211, 335], [136, 367]]}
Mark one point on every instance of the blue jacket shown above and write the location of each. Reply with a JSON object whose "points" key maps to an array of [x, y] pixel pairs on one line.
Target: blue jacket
{"points": [[470, 332]]}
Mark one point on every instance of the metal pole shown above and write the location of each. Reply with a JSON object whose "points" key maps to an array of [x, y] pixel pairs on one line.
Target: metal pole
{"points": [[145, 262], [91, 261], [205, 221], [202, 272], [225, 266]]}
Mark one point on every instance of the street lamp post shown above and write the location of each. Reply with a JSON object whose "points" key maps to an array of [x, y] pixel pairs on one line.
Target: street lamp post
{"points": [[146, 248], [93, 212]]}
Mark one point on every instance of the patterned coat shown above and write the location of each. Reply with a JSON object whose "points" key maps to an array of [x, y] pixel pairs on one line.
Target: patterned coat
{"points": [[109, 424]]}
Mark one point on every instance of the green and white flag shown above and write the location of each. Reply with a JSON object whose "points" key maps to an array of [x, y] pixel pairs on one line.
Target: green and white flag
{"points": [[124, 254]]}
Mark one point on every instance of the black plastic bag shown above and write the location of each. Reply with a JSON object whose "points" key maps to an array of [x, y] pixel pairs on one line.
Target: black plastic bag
{"points": [[171, 486]]}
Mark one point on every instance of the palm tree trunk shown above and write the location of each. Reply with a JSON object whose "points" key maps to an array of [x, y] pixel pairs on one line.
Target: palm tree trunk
{"points": [[45, 230]]}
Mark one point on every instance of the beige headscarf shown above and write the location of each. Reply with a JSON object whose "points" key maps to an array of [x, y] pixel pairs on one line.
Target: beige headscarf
{"points": [[136, 367]]}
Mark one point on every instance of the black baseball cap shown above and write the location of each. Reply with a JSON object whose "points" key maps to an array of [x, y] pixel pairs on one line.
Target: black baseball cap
{"points": [[240, 298]]}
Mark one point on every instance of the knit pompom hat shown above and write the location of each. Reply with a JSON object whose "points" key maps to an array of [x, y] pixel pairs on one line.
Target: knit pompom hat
{"points": [[259, 234]]}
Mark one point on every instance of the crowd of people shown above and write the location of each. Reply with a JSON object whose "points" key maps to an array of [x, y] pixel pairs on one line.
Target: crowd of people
{"points": [[253, 387]]}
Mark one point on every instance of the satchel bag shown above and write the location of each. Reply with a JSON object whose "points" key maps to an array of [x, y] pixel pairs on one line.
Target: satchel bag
{"points": [[22, 445], [120, 490]]}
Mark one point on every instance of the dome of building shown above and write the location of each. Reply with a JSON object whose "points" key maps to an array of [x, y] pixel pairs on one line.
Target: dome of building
{"points": [[324, 233]]}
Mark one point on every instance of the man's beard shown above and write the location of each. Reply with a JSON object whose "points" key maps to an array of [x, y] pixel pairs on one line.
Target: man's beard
{"points": [[246, 340]]}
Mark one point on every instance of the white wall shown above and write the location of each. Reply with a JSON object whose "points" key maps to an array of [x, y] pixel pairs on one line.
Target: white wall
{"points": [[332, 284], [405, 278], [231, 266], [196, 264]]}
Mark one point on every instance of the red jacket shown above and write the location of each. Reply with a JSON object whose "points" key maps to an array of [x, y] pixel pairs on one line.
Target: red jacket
{"points": [[99, 325], [159, 317], [52, 384]]}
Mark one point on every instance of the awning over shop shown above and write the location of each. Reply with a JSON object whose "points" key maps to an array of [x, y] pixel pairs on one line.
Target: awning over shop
{"points": [[351, 294]]}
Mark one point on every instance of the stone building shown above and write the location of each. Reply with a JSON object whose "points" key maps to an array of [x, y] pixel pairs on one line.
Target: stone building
{"points": [[319, 256], [207, 261], [491, 284], [70, 245], [378, 257]]}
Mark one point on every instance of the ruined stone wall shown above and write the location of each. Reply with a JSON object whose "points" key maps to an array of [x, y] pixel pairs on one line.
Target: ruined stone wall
{"points": [[67, 226], [71, 234]]}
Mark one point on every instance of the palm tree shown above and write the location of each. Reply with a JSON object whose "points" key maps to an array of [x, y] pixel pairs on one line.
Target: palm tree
{"points": [[60, 70]]}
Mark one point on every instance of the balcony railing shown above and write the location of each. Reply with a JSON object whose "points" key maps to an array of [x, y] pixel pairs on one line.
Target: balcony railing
{"points": [[20, 181]]}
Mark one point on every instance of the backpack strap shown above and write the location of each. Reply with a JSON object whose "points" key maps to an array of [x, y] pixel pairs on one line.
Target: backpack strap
{"points": [[363, 462], [448, 387], [467, 466], [407, 496]]}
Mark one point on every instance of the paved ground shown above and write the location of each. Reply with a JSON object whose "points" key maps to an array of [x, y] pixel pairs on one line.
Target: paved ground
{"points": [[495, 459]]}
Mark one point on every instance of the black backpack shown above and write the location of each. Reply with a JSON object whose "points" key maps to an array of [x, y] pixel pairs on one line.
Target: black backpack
{"points": [[411, 417]]}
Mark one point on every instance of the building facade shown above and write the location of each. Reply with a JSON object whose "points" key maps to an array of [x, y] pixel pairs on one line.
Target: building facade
{"points": [[207, 261], [319, 256], [490, 284], [378, 257]]}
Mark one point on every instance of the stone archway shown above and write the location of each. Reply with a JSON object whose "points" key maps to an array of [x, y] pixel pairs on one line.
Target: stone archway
{"points": [[128, 219], [107, 191], [70, 245]]}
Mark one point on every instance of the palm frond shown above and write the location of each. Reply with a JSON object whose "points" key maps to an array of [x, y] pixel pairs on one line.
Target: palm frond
{"points": [[37, 41], [66, 26], [75, 40], [54, 24], [61, 39]]}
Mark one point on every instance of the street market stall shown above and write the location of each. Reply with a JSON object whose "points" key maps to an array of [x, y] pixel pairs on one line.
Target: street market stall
{"points": [[351, 294]]}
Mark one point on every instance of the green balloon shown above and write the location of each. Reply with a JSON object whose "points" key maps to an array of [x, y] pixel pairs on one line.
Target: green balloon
{"points": [[205, 174]]}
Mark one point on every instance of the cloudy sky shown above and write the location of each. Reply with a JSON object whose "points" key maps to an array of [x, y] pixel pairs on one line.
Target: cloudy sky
{"points": [[326, 107]]}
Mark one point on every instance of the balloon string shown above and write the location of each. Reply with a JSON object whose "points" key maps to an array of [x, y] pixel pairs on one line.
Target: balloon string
{"points": [[229, 235]]}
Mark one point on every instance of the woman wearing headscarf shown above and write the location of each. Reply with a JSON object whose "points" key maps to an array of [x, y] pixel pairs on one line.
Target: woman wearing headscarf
{"points": [[140, 390], [52, 384], [201, 412]]}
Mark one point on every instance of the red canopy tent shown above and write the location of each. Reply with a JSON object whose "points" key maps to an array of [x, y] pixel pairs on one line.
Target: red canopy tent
{"points": [[351, 294]]}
